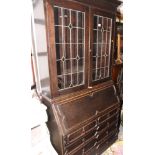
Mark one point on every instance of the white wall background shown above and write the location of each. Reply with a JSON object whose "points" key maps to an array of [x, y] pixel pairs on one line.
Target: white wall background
{"points": [[15, 77]]}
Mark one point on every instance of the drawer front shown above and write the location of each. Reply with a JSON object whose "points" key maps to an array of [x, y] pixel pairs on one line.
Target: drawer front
{"points": [[90, 126], [101, 136], [90, 145], [115, 111], [102, 126], [75, 135], [84, 131], [103, 118], [81, 141], [90, 135], [112, 128], [78, 152], [113, 119], [102, 145], [73, 146]]}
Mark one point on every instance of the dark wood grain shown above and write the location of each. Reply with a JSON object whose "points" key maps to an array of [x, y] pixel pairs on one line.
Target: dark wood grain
{"points": [[83, 119], [50, 31]]}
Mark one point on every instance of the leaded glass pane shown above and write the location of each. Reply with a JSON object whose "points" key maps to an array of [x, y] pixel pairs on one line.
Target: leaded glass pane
{"points": [[80, 78], [74, 35], [74, 50], [66, 17], [74, 18], [80, 65], [66, 35], [70, 41], [75, 79], [80, 35], [58, 17], [80, 50], [58, 31], [61, 82], [59, 67], [67, 68], [74, 65], [67, 51], [80, 20], [101, 47], [67, 80]]}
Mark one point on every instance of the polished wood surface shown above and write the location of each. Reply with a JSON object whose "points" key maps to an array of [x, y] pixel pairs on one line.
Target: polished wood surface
{"points": [[82, 119], [50, 31]]}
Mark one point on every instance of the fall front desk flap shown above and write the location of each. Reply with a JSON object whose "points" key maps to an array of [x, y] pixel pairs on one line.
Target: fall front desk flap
{"points": [[77, 112]]}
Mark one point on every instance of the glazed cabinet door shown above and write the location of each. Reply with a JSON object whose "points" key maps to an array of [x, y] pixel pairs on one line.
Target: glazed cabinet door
{"points": [[101, 34], [70, 45]]}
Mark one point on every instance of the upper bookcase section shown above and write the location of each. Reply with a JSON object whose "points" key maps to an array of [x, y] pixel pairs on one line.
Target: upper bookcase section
{"points": [[72, 44]]}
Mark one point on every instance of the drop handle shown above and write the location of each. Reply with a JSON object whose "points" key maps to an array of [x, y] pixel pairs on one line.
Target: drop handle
{"points": [[96, 136], [91, 95]]}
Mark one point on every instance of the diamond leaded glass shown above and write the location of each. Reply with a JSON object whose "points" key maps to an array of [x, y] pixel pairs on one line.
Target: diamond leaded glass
{"points": [[70, 51], [101, 47]]}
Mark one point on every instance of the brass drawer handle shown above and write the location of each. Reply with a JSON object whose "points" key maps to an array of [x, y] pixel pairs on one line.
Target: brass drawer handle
{"points": [[97, 136], [97, 128], [95, 144], [96, 133], [91, 95], [83, 140]]}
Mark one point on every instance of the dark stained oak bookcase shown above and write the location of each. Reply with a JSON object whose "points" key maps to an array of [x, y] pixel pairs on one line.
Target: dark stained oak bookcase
{"points": [[74, 72]]}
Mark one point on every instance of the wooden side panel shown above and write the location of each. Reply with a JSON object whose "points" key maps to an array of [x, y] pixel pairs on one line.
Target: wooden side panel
{"points": [[55, 131]]}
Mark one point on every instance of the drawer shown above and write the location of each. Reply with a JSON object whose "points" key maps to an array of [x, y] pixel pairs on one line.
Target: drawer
{"points": [[113, 119], [112, 138], [75, 135], [90, 135], [81, 141], [75, 145], [92, 151], [102, 126], [78, 152], [90, 126], [106, 116], [90, 145], [106, 142], [103, 118], [115, 111], [102, 146], [86, 132], [101, 136], [112, 128]]}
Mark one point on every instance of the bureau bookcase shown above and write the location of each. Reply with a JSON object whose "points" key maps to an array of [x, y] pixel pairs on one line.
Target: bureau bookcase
{"points": [[83, 106]]}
